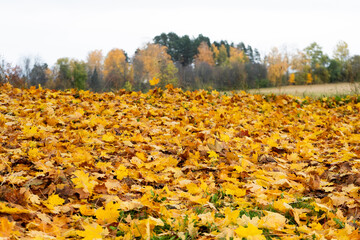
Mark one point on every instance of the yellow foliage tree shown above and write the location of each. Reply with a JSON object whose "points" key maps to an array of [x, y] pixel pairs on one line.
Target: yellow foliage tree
{"points": [[309, 78], [153, 61], [116, 69], [292, 78], [222, 58], [277, 66], [95, 60], [237, 55], [204, 55], [215, 51], [300, 63]]}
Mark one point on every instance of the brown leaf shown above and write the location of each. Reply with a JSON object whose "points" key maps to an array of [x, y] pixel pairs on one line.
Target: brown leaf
{"points": [[81, 193], [100, 189], [262, 159], [65, 192], [314, 182], [12, 195]]}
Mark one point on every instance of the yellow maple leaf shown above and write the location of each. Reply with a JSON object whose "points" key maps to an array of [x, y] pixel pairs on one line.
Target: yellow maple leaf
{"points": [[141, 155], [206, 218], [232, 189], [170, 162], [108, 137], [282, 205], [224, 137], [193, 188], [266, 107], [272, 220], [195, 198], [92, 232], [154, 81], [137, 138], [293, 157], [34, 154], [121, 172], [231, 215], [11, 210], [30, 131], [86, 211], [81, 155], [83, 181], [213, 154], [250, 233], [54, 200], [109, 213], [239, 169]]}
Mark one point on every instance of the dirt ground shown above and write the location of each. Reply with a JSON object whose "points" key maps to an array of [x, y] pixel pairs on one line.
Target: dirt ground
{"points": [[312, 90]]}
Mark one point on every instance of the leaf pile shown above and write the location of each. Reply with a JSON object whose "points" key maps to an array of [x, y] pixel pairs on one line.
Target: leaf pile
{"points": [[177, 165]]}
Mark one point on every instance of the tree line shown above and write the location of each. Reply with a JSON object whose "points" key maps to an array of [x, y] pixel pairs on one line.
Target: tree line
{"points": [[189, 63]]}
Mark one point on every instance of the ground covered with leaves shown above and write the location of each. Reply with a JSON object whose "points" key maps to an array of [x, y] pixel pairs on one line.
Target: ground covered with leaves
{"points": [[170, 164]]}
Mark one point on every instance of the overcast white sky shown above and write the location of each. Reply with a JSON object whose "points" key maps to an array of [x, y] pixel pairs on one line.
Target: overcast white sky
{"points": [[50, 29]]}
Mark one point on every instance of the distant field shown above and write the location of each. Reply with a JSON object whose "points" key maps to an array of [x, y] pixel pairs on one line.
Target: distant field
{"points": [[313, 90]]}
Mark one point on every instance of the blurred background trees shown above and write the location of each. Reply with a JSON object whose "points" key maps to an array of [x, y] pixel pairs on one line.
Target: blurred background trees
{"points": [[95, 63], [116, 69], [189, 63], [150, 62]]}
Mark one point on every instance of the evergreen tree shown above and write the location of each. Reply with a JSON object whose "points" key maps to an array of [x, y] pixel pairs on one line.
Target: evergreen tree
{"points": [[94, 83]]}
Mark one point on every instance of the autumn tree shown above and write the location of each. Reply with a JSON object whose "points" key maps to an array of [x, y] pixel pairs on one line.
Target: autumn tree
{"points": [[14, 76], [292, 78], [153, 61], [236, 67], [172, 43], [95, 60], [95, 64], [222, 58], [300, 64], [237, 56], [318, 63], [253, 55], [277, 63], [205, 55], [341, 55], [309, 78], [341, 52], [200, 39], [215, 51], [116, 69]]}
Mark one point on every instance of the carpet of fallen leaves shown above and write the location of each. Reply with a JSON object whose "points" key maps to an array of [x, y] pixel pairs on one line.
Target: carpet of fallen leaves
{"points": [[170, 164]]}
